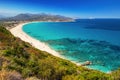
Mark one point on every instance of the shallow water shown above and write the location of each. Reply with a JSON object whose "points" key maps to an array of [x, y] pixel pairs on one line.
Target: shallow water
{"points": [[96, 40]]}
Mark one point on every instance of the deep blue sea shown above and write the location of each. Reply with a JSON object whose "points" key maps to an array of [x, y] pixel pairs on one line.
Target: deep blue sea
{"points": [[95, 40]]}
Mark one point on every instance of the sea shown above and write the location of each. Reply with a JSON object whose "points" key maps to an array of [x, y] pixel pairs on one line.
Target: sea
{"points": [[94, 40]]}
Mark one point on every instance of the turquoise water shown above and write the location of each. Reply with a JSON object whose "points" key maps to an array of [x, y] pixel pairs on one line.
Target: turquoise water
{"points": [[96, 40]]}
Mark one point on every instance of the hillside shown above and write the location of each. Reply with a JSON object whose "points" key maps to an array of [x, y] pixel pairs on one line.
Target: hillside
{"points": [[20, 61], [37, 17]]}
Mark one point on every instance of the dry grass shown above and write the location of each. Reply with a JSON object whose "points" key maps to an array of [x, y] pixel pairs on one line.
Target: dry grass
{"points": [[32, 78], [10, 75]]}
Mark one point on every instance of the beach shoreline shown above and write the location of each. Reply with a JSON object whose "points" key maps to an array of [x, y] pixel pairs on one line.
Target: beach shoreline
{"points": [[18, 32]]}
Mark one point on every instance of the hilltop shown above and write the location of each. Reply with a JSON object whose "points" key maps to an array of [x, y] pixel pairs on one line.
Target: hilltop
{"points": [[37, 17]]}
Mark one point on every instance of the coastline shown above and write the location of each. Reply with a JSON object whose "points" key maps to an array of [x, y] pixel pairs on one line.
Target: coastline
{"points": [[18, 32]]}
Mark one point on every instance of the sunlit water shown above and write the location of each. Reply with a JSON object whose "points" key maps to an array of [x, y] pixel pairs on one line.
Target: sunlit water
{"points": [[96, 40]]}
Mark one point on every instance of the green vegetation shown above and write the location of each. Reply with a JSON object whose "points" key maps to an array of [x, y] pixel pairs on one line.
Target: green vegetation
{"points": [[20, 61]]}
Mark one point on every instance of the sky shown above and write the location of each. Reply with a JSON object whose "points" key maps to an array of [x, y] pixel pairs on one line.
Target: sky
{"points": [[70, 8]]}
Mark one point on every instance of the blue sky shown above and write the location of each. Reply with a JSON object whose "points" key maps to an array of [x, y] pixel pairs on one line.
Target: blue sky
{"points": [[71, 8]]}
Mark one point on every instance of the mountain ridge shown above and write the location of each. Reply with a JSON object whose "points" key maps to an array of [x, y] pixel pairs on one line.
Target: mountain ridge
{"points": [[37, 17]]}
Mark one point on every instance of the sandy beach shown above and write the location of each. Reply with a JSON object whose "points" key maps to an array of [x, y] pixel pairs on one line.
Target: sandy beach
{"points": [[18, 32]]}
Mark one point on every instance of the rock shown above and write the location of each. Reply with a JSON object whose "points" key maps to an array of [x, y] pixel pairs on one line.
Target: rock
{"points": [[86, 63]]}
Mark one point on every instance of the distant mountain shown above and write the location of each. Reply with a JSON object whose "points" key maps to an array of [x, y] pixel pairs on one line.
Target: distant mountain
{"points": [[1, 16], [37, 17]]}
